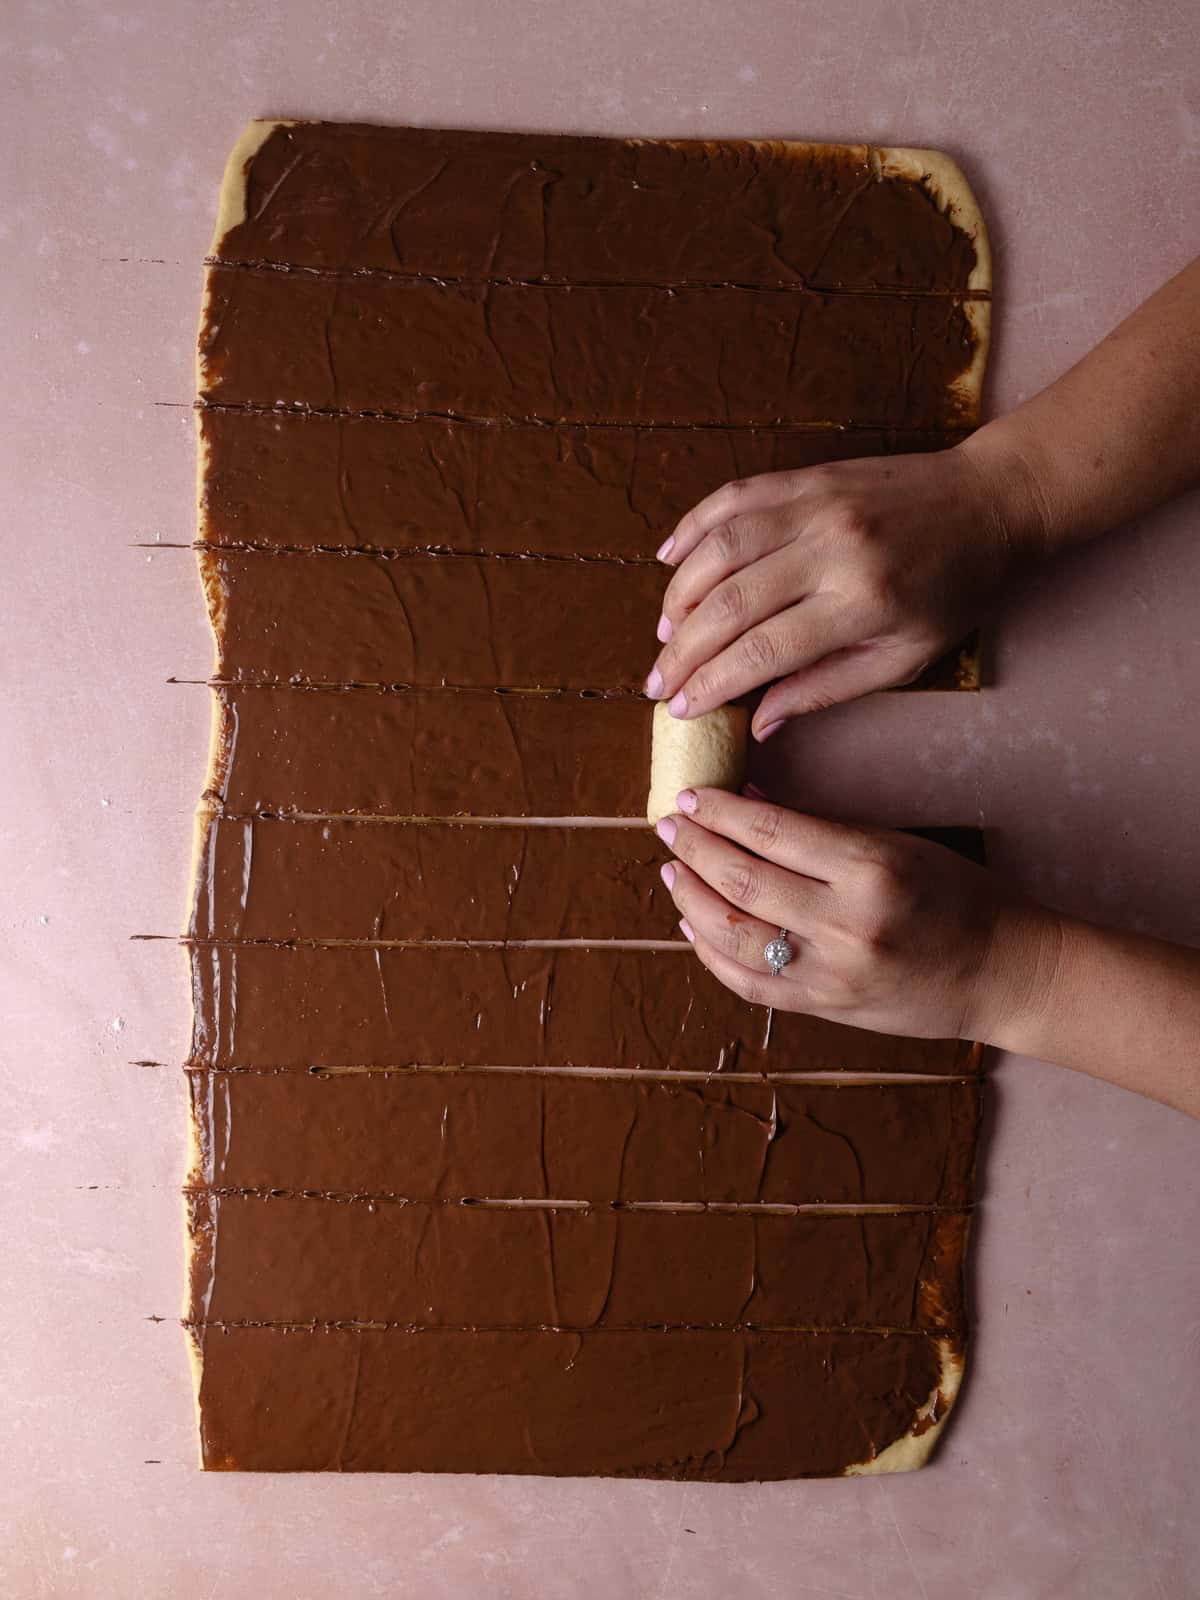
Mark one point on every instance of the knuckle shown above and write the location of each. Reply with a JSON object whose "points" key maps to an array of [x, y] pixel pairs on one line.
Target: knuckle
{"points": [[669, 660], [704, 689], [677, 598], [883, 908], [869, 850], [726, 542], [875, 930], [857, 527], [730, 601], [881, 591], [759, 652], [818, 480], [682, 847], [740, 884], [766, 826], [819, 700]]}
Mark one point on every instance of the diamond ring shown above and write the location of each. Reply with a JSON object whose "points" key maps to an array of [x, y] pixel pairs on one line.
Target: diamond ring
{"points": [[778, 953]]}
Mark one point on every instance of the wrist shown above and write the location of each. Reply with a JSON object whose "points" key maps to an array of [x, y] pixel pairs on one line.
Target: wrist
{"points": [[1017, 978], [1013, 494]]}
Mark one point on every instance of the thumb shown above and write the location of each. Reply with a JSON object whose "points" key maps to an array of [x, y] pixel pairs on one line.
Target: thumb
{"points": [[843, 675]]}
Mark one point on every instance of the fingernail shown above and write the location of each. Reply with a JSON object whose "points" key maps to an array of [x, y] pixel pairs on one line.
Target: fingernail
{"points": [[687, 800], [686, 929], [664, 629], [667, 873], [665, 548], [666, 830], [763, 734], [678, 705], [654, 684]]}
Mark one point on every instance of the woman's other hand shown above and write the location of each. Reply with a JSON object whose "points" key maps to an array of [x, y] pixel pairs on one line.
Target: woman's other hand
{"points": [[833, 581], [889, 931]]}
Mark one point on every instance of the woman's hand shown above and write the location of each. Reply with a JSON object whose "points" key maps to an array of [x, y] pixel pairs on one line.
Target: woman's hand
{"points": [[830, 582], [890, 932]]}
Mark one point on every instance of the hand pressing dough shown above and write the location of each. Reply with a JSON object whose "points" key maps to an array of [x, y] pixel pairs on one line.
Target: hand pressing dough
{"points": [[707, 751]]}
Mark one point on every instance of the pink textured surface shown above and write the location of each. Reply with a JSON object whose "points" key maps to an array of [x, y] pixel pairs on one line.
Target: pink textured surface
{"points": [[1069, 1467]]}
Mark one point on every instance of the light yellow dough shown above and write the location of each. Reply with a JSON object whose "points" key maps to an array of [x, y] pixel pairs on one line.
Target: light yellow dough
{"points": [[913, 1449], [708, 751]]}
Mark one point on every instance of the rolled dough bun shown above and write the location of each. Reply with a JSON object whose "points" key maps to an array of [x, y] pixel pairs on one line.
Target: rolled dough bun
{"points": [[707, 751]]}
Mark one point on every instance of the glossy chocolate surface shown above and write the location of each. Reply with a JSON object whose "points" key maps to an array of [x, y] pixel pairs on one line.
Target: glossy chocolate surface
{"points": [[422, 1238], [296, 479], [341, 879], [431, 620], [430, 752], [281, 879], [645, 356], [585, 1006], [511, 205], [429, 1264], [542, 1136], [651, 1404]]}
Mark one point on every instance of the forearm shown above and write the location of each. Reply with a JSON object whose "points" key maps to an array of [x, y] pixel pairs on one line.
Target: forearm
{"points": [[1117, 434], [1114, 1005]]}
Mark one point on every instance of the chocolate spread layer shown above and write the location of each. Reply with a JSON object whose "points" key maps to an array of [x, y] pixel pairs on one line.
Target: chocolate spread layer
{"points": [[492, 346], [642, 356], [331, 879], [720, 1405], [304, 479], [429, 753], [585, 1006], [431, 620], [276, 879], [449, 1265], [594, 1139], [512, 205]]}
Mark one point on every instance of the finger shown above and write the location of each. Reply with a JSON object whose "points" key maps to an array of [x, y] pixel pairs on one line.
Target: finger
{"points": [[737, 498], [845, 674], [726, 549], [740, 936], [767, 587], [810, 847], [787, 992], [784, 644], [773, 894]]}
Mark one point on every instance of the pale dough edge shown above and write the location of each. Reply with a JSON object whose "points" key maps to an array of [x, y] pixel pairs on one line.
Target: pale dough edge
{"points": [[231, 208], [231, 202], [203, 819], [945, 180], [912, 1450], [968, 386]]}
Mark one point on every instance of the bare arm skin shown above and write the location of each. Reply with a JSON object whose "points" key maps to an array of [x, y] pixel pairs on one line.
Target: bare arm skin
{"points": [[1114, 437], [896, 934], [830, 582], [833, 581]]}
